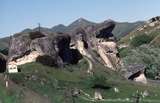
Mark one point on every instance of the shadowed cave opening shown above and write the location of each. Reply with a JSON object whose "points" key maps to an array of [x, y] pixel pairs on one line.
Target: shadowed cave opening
{"points": [[68, 56], [105, 33], [134, 75]]}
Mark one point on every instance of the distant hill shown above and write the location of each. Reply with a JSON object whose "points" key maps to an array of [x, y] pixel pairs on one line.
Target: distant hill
{"points": [[26, 30], [123, 28], [59, 28], [4, 42], [81, 22]]}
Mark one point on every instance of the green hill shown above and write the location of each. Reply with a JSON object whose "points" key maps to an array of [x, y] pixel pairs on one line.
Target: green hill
{"points": [[124, 28], [57, 85], [142, 46]]}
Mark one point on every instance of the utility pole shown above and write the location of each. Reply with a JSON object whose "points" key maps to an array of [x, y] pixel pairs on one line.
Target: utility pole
{"points": [[39, 27], [6, 77]]}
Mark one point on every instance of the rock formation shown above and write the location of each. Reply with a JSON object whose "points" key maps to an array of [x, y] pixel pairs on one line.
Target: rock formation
{"points": [[106, 45], [136, 73], [98, 38], [67, 48]]}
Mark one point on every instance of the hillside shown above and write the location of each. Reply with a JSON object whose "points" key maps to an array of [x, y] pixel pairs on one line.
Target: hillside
{"points": [[142, 46], [57, 86], [150, 28]]}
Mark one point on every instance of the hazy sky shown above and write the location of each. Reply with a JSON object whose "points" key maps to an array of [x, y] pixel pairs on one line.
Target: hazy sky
{"points": [[16, 15]]}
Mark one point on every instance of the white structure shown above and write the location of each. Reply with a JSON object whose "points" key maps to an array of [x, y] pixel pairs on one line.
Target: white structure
{"points": [[12, 67], [97, 94]]}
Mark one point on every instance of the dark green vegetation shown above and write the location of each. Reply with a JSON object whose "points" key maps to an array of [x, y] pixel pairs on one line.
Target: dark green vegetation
{"points": [[146, 55], [140, 40]]}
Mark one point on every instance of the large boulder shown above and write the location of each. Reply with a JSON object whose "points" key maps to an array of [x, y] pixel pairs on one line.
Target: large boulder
{"points": [[97, 38], [104, 30], [67, 48], [29, 46], [136, 72]]}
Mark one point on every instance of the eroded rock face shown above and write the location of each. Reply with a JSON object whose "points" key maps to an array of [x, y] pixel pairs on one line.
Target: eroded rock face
{"points": [[106, 45], [136, 73], [98, 38], [141, 78], [62, 48], [25, 49]]}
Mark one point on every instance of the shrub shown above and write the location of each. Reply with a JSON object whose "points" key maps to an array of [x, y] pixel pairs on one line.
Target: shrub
{"points": [[34, 35], [46, 60], [140, 40], [123, 52], [149, 56], [152, 71], [96, 80]]}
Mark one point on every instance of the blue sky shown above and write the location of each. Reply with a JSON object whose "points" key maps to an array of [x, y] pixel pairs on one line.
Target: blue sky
{"points": [[16, 15]]}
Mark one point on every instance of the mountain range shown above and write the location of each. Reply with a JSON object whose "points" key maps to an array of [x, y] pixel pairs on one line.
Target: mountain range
{"points": [[121, 29]]}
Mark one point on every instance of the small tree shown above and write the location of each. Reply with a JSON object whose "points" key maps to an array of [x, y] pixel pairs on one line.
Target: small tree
{"points": [[98, 82], [152, 71]]}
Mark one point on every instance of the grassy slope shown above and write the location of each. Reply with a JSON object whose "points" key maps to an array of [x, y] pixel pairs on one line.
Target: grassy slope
{"points": [[156, 41], [54, 83], [9, 95], [150, 31]]}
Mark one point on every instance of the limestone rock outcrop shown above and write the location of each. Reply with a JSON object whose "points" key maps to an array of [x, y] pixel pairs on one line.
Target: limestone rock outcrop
{"points": [[67, 48], [99, 39], [136, 72], [25, 49]]}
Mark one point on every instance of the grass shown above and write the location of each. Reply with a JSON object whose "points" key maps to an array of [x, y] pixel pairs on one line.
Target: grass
{"points": [[56, 83], [9, 96], [149, 31]]}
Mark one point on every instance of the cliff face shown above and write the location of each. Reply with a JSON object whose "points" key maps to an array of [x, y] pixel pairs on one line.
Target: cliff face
{"points": [[63, 48]]}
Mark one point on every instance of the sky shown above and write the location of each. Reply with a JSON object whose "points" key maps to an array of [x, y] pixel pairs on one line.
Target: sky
{"points": [[16, 15]]}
